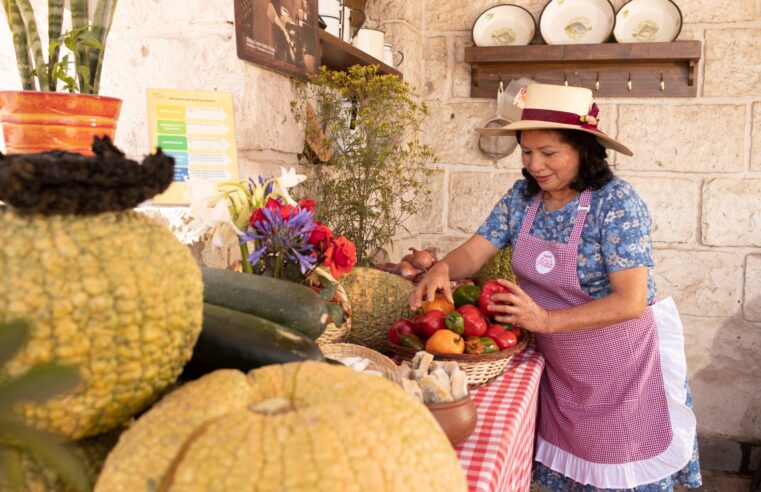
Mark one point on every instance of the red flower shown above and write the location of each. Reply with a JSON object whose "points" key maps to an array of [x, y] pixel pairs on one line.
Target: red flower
{"points": [[341, 256], [257, 217], [308, 205], [320, 237], [287, 210]]}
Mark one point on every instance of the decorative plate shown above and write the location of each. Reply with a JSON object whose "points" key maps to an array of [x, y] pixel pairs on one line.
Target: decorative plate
{"points": [[504, 25], [577, 21], [648, 21]]}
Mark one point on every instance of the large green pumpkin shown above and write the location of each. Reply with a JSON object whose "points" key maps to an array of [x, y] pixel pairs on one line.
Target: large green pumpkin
{"points": [[303, 426], [105, 289]]}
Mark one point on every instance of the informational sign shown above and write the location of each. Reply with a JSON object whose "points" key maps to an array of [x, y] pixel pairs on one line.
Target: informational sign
{"points": [[197, 129]]}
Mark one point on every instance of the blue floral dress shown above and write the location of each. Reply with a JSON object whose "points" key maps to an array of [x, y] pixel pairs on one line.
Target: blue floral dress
{"points": [[616, 236]]}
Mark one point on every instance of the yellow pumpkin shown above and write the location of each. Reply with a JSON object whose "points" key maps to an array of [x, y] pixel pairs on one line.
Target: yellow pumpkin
{"points": [[303, 426], [113, 294]]}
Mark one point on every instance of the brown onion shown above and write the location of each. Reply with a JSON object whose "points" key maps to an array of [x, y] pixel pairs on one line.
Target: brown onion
{"points": [[421, 259], [405, 270], [386, 267]]}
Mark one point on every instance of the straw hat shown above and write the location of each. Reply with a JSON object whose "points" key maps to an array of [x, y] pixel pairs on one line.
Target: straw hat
{"points": [[548, 107]]}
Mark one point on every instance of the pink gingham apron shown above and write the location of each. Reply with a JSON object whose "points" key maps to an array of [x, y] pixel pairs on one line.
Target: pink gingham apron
{"points": [[602, 396]]}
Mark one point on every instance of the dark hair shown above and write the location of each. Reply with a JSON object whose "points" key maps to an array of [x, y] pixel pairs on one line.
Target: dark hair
{"points": [[594, 171]]}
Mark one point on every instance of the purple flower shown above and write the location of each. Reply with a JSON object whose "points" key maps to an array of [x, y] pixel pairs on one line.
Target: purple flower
{"points": [[288, 237]]}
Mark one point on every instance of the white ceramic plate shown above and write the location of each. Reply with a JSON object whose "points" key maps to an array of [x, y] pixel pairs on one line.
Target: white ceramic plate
{"points": [[648, 21], [504, 25], [577, 21]]}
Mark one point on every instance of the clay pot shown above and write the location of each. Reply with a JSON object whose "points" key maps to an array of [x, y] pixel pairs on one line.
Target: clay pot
{"points": [[36, 121], [457, 418]]}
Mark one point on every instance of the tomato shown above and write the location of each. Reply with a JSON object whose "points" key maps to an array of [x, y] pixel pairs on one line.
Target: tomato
{"points": [[490, 288], [439, 303], [399, 328], [474, 323], [503, 337], [429, 323]]}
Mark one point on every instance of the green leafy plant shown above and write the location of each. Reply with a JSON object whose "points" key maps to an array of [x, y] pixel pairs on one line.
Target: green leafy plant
{"points": [[375, 175], [86, 40], [38, 384]]}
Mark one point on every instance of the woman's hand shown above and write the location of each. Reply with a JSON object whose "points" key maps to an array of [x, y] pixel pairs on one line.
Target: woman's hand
{"points": [[436, 278], [519, 308]]}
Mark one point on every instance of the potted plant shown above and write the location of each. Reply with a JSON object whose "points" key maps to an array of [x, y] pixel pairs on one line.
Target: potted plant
{"points": [[365, 128], [38, 118]]}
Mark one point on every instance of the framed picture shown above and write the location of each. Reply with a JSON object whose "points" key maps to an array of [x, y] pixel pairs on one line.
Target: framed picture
{"points": [[278, 34]]}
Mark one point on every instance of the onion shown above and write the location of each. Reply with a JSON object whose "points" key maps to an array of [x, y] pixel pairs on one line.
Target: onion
{"points": [[405, 270], [386, 267], [421, 259]]}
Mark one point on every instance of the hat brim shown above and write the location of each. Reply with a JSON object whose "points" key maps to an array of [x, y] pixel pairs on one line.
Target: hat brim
{"points": [[605, 141]]}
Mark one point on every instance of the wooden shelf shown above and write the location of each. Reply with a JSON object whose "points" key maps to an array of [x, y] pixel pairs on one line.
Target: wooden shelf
{"points": [[581, 65], [340, 55]]}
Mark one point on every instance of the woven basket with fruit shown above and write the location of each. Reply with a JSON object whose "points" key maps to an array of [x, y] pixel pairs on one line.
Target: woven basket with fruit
{"points": [[464, 332]]}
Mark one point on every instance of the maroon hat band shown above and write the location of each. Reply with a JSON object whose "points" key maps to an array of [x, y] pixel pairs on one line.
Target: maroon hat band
{"points": [[586, 121]]}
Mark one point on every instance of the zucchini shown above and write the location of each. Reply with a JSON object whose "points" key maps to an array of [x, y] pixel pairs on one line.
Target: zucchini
{"points": [[236, 340], [287, 303]]}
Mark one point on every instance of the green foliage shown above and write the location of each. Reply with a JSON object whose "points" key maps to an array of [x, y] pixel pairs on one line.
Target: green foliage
{"points": [[16, 439], [86, 41], [377, 175]]}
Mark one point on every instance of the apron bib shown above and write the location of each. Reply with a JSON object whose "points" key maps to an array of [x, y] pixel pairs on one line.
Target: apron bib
{"points": [[605, 415]]}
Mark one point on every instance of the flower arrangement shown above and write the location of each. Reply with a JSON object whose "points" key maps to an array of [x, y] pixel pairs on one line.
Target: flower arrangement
{"points": [[277, 236]]}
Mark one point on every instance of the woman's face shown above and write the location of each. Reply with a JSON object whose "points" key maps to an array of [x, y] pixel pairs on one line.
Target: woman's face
{"points": [[553, 163]]}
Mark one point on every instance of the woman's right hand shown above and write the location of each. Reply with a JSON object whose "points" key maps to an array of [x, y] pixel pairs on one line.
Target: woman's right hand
{"points": [[437, 278]]}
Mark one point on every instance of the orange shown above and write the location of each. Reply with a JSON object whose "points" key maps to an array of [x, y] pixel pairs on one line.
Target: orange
{"points": [[445, 342], [439, 303]]}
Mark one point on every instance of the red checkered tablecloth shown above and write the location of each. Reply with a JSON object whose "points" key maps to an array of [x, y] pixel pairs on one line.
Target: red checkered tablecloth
{"points": [[498, 455]]}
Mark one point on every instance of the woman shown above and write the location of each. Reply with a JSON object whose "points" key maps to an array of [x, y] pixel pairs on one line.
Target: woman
{"points": [[615, 410]]}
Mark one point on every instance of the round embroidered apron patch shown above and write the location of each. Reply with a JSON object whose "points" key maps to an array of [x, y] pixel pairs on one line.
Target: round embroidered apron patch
{"points": [[545, 262]]}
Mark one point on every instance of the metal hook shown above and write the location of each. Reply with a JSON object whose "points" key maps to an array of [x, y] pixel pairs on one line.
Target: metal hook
{"points": [[597, 83], [629, 82], [663, 84], [565, 79]]}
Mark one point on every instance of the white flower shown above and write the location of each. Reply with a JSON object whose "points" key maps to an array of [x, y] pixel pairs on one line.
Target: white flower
{"points": [[288, 179], [210, 208]]}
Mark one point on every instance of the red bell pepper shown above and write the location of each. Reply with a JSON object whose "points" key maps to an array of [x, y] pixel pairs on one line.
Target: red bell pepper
{"points": [[474, 324], [399, 328], [429, 323], [503, 337], [490, 288]]}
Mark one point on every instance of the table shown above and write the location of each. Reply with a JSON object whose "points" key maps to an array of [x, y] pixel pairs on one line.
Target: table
{"points": [[498, 455]]}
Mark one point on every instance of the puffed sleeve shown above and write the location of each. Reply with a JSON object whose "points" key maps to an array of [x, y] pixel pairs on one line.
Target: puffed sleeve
{"points": [[497, 226], [626, 229]]}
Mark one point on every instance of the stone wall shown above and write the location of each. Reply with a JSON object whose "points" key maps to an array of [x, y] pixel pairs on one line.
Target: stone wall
{"points": [[695, 163]]}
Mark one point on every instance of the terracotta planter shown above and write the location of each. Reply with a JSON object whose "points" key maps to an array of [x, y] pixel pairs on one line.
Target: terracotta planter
{"points": [[36, 121]]}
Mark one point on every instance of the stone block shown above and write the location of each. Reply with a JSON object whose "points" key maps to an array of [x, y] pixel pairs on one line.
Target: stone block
{"points": [[410, 41], [732, 62], [755, 150], [703, 283], [752, 291], [723, 365], [461, 71], [448, 16], [719, 12], [397, 10], [473, 195], [430, 220], [694, 138], [450, 131], [731, 214], [436, 63], [673, 205]]}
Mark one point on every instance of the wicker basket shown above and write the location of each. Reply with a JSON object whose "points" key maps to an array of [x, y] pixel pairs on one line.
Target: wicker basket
{"points": [[378, 361], [332, 333], [481, 368]]}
